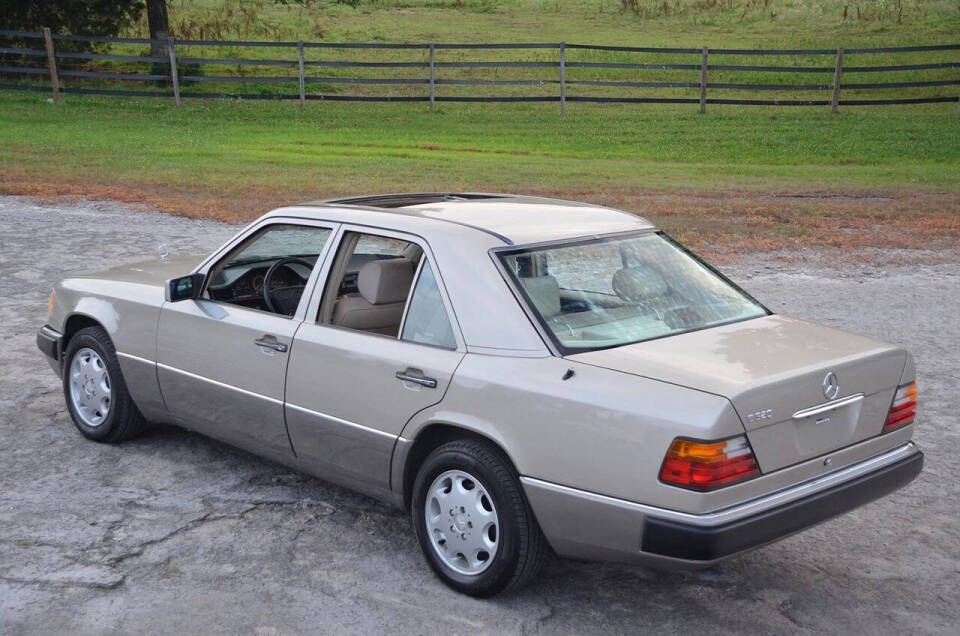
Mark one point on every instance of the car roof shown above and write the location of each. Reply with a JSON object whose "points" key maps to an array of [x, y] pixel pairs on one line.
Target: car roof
{"points": [[514, 219]]}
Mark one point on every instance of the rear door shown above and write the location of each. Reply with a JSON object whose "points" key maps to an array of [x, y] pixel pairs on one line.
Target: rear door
{"points": [[350, 392], [222, 362]]}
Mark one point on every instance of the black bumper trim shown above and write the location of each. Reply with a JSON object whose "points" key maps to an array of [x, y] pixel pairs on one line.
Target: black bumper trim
{"points": [[698, 543], [48, 341]]}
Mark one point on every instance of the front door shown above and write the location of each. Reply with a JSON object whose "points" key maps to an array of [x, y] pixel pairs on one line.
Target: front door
{"points": [[222, 359], [357, 376]]}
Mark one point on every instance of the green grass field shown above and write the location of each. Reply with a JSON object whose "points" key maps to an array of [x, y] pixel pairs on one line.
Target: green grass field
{"points": [[339, 148]]}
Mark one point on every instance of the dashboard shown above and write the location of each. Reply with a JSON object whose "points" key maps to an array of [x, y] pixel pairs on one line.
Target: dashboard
{"points": [[243, 284]]}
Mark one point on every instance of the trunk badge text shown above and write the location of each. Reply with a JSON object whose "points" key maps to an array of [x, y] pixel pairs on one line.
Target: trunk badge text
{"points": [[760, 415], [831, 386]]}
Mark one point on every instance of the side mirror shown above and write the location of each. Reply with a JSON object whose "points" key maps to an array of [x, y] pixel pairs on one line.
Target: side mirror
{"points": [[184, 288]]}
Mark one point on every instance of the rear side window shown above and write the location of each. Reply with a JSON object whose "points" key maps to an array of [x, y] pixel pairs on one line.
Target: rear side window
{"points": [[427, 321]]}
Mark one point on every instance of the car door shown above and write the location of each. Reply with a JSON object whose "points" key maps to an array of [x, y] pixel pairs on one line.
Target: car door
{"points": [[222, 359], [350, 392]]}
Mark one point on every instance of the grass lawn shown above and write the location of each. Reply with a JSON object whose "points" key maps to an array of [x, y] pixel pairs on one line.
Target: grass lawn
{"points": [[733, 176]]}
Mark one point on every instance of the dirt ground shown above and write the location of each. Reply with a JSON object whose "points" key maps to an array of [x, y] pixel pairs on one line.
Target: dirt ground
{"points": [[174, 533], [719, 224]]}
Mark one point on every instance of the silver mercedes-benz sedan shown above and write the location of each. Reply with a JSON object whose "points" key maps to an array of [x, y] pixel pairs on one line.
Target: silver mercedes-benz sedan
{"points": [[521, 374]]}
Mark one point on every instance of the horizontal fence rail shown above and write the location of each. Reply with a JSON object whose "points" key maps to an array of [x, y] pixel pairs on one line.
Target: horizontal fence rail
{"points": [[43, 61]]}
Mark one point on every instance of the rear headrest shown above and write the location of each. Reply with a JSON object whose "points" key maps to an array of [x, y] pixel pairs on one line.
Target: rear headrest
{"points": [[544, 291], [382, 282], [639, 283]]}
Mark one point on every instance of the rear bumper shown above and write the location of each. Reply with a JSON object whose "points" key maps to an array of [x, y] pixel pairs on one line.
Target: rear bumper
{"points": [[50, 342], [590, 526], [685, 541]]}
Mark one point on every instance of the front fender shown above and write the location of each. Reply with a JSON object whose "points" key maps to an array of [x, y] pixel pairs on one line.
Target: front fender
{"points": [[129, 313]]}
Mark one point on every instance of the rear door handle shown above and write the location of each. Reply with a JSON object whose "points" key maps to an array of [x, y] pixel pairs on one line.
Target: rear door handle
{"points": [[413, 375], [271, 343]]}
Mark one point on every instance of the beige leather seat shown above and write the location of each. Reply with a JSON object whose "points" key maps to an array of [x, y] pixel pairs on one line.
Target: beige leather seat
{"points": [[544, 292], [383, 286]]}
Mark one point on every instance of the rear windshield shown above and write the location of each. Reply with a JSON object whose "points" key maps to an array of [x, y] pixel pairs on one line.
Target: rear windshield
{"points": [[609, 292]]}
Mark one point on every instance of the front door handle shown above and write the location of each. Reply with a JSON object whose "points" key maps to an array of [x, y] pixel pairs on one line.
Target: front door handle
{"points": [[414, 375], [271, 343]]}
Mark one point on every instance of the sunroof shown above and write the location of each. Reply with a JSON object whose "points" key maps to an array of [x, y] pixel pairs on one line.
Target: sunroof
{"points": [[404, 200]]}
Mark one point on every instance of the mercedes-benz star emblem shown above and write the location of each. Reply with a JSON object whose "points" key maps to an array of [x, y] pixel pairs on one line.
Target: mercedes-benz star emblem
{"points": [[831, 387]]}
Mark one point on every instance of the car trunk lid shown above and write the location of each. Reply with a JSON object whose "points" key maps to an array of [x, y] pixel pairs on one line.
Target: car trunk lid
{"points": [[774, 370]]}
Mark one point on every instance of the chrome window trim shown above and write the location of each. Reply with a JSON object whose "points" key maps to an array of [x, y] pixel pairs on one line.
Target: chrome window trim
{"points": [[747, 508]]}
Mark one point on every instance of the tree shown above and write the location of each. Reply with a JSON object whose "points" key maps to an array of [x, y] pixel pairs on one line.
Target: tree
{"points": [[159, 25], [81, 17]]}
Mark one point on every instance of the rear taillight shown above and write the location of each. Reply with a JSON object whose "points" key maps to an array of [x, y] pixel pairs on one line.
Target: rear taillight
{"points": [[708, 465], [904, 408]]}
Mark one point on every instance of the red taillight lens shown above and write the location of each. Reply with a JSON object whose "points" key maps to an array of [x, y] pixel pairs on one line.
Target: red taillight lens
{"points": [[708, 465], [904, 408]]}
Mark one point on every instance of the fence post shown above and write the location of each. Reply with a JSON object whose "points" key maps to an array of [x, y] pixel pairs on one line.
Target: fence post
{"points": [[173, 73], [703, 79], [433, 65], [52, 64], [303, 81], [563, 78], [837, 75]]}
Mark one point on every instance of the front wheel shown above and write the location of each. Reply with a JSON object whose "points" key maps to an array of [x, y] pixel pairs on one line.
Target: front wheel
{"points": [[96, 394], [472, 520]]}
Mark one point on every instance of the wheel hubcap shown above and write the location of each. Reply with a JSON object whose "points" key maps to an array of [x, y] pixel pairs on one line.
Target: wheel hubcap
{"points": [[90, 391], [462, 522]]}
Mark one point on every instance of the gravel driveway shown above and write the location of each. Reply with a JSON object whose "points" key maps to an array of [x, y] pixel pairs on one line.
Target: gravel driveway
{"points": [[174, 533]]}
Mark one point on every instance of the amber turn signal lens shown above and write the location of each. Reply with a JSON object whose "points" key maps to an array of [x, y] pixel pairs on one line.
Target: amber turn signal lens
{"points": [[703, 465], [53, 298], [903, 411]]}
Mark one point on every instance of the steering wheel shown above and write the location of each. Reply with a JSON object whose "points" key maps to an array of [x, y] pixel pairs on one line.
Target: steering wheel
{"points": [[283, 300]]}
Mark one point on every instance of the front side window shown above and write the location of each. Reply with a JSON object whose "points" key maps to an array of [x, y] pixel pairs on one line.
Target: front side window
{"points": [[269, 271], [603, 293], [427, 321]]}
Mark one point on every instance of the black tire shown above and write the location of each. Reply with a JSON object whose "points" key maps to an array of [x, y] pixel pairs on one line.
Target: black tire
{"points": [[123, 420], [522, 547]]}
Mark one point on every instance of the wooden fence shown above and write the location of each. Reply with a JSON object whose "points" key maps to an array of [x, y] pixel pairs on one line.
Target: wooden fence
{"points": [[689, 77]]}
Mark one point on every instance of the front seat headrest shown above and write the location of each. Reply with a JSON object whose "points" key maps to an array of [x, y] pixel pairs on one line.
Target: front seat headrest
{"points": [[639, 283], [544, 292], [387, 281]]}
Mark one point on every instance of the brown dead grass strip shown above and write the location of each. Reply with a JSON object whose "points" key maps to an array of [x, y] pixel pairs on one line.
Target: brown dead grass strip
{"points": [[720, 224]]}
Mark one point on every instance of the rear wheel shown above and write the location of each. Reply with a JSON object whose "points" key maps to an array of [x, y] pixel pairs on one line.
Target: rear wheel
{"points": [[96, 394], [472, 520]]}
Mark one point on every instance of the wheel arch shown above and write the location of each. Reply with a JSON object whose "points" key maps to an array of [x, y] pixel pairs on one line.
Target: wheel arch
{"points": [[427, 438], [74, 323]]}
